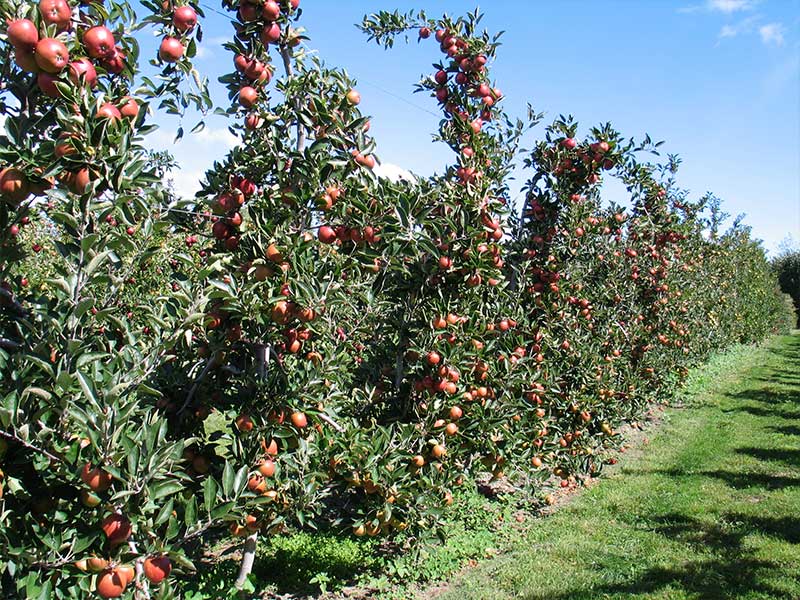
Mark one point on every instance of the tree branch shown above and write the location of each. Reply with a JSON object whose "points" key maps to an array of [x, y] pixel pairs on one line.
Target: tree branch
{"points": [[248, 557], [13, 438]]}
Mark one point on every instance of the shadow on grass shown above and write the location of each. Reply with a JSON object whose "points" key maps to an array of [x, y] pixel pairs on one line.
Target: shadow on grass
{"points": [[782, 455], [733, 572], [773, 413], [735, 480], [728, 578], [767, 396], [786, 429]]}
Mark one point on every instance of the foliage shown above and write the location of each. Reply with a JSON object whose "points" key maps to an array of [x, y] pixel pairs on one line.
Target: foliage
{"points": [[305, 344], [787, 268]]}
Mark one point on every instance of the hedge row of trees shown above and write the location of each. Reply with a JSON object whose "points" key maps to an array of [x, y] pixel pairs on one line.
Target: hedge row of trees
{"points": [[306, 343]]}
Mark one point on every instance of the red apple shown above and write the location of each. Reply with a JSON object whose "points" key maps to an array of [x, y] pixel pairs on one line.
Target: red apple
{"points": [[271, 10], [14, 185], [23, 34], [99, 42], [326, 235], [171, 50], [82, 72], [26, 60], [56, 12], [109, 111], [353, 97], [157, 568], [51, 55], [248, 96], [184, 18], [115, 63], [129, 107], [270, 34]]}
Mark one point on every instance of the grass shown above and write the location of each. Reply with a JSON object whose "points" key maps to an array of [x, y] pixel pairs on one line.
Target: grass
{"points": [[709, 510]]}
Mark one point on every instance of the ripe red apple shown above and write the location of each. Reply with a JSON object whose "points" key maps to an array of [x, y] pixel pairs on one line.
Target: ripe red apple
{"points": [[248, 96], [353, 97], [26, 60], [82, 72], [157, 568], [248, 12], [252, 121], [117, 528], [271, 10], [115, 63], [47, 83], [56, 12], [270, 34], [110, 584], [184, 18], [99, 42], [96, 478], [424, 33], [244, 423], [129, 107], [171, 50], [14, 185], [569, 143], [23, 34], [126, 573], [326, 235], [109, 111], [78, 181], [51, 55], [299, 419], [266, 467]]}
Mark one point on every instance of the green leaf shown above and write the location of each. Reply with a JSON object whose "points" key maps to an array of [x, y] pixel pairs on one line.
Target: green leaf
{"points": [[165, 488], [164, 513], [209, 493], [228, 477]]}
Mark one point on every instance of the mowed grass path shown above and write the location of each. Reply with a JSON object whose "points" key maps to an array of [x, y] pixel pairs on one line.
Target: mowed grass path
{"points": [[710, 509]]}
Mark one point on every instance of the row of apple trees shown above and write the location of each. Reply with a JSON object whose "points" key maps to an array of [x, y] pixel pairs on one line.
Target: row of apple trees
{"points": [[305, 344]]}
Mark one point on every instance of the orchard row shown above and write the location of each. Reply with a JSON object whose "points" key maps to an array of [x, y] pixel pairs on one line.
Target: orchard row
{"points": [[306, 344]]}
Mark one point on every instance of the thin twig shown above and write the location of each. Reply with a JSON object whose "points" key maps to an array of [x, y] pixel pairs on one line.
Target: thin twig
{"points": [[331, 422], [13, 438], [194, 387]]}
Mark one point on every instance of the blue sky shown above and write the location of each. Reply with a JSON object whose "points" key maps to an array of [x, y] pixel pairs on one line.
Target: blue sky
{"points": [[718, 80]]}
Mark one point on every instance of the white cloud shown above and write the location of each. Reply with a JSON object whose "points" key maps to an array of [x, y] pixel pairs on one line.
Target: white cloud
{"points": [[209, 136], [393, 172], [186, 183], [729, 6], [744, 26], [724, 6], [772, 33], [215, 136]]}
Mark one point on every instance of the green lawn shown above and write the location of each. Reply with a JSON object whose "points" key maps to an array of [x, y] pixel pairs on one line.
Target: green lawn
{"points": [[710, 509]]}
